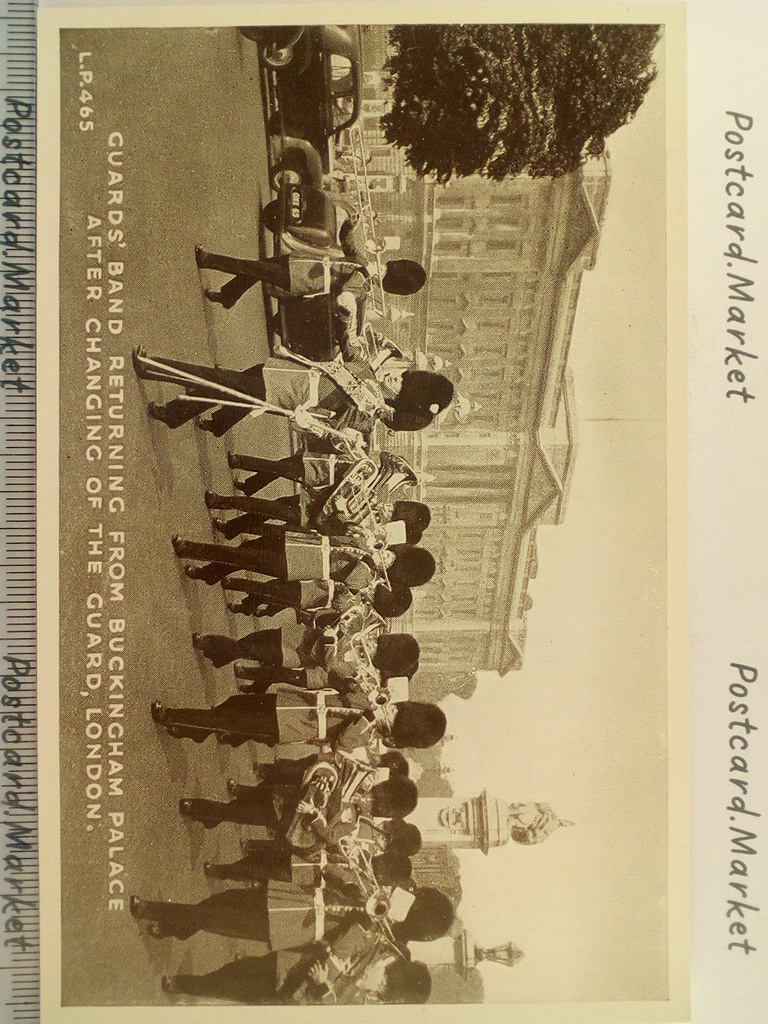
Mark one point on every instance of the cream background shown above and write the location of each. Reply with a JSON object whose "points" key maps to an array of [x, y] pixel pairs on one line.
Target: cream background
{"points": [[728, 498]]}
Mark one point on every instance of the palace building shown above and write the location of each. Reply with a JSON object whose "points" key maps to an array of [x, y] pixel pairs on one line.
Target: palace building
{"points": [[505, 262]]}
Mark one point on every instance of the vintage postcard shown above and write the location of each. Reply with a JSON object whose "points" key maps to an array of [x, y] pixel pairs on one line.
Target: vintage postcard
{"points": [[362, 512]]}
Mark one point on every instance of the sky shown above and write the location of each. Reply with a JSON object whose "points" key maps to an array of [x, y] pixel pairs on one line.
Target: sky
{"points": [[583, 725]]}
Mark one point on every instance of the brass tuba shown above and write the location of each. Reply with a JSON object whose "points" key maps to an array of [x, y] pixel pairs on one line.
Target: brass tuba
{"points": [[355, 499]]}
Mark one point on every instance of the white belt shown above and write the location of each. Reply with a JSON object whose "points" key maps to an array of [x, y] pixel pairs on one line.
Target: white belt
{"points": [[322, 715], [319, 914], [325, 550], [314, 388]]}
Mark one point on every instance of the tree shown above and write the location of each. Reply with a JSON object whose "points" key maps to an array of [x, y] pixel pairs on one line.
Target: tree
{"points": [[508, 99]]}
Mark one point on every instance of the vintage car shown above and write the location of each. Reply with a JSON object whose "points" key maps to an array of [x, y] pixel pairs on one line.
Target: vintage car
{"points": [[317, 82]]}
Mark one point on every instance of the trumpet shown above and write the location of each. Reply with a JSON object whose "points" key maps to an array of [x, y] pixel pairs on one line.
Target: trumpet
{"points": [[361, 645], [359, 859], [378, 899], [367, 676]]}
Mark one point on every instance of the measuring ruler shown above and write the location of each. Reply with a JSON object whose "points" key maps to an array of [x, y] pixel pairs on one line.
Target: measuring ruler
{"points": [[19, 890]]}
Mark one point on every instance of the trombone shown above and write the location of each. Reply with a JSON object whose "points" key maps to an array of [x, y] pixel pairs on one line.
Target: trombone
{"points": [[357, 155]]}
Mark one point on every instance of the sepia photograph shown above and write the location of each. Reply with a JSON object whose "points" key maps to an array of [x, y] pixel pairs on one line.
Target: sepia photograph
{"points": [[366, 423]]}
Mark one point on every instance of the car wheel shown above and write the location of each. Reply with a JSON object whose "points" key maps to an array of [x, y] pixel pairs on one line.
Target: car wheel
{"points": [[270, 216], [278, 56]]}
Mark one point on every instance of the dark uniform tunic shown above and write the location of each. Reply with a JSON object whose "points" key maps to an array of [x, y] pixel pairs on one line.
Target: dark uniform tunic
{"points": [[289, 717], [283, 977]]}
